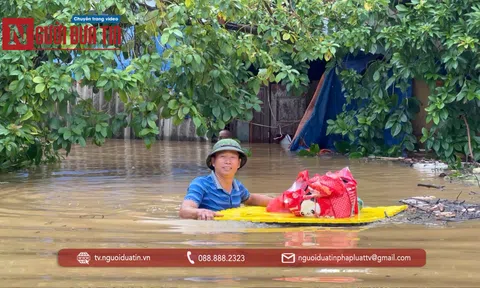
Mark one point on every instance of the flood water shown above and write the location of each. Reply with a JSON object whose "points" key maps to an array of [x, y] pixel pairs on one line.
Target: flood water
{"points": [[122, 195]]}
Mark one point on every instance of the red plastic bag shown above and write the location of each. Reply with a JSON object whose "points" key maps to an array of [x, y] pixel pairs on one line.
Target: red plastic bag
{"points": [[292, 197], [331, 195]]}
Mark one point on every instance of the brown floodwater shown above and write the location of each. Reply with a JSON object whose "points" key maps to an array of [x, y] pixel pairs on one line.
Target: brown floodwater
{"points": [[123, 195]]}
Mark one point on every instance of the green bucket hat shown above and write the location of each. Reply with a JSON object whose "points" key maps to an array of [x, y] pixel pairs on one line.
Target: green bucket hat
{"points": [[227, 145]]}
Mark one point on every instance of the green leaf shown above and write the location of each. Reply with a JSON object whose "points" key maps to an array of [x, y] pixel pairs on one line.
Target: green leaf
{"points": [[171, 41], [173, 104], [444, 114], [123, 96], [445, 145], [216, 111], [390, 81], [226, 115], [376, 76], [248, 115], [102, 83], [165, 113], [425, 131], [39, 88], [280, 76], [26, 116], [355, 155], [315, 148], [13, 85], [86, 71], [21, 109], [150, 107], [165, 97], [151, 123], [38, 80], [401, 8], [3, 130], [81, 141], [220, 124], [409, 146], [178, 33], [397, 128], [164, 38], [304, 153], [477, 139], [144, 132], [104, 132], [197, 58], [67, 134], [390, 123], [54, 123], [197, 121], [449, 151], [77, 130]]}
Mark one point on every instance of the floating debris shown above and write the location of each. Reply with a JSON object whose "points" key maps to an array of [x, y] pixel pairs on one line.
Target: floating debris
{"points": [[431, 186], [92, 216], [428, 208]]}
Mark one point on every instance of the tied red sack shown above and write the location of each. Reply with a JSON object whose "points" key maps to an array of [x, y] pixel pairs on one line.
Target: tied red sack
{"points": [[332, 195]]}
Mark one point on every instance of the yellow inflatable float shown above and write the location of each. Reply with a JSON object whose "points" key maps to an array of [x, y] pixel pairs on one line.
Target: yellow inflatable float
{"points": [[258, 214]]}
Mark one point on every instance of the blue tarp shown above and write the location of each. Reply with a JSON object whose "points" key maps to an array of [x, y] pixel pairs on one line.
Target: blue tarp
{"points": [[329, 104], [123, 62]]}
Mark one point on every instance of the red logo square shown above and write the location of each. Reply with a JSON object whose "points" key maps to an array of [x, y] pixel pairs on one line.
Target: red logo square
{"points": [[23, 33]]}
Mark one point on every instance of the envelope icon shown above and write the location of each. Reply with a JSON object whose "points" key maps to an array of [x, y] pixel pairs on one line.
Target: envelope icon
{"points": [[288, 257]]}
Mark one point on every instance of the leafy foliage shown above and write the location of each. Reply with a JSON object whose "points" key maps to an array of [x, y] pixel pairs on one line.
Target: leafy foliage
{"points": [[219, 54], [422, 39], [313, 150]]}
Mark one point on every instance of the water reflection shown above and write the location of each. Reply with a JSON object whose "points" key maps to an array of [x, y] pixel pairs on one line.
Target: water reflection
{"points": [[318, 279], [322, 239], [219, 280], [124, 195]]}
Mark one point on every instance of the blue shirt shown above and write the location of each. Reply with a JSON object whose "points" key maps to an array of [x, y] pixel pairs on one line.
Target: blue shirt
{"points": [[207, 192]]}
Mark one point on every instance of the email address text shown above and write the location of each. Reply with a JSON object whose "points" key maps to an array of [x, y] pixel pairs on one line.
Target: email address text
{"points": [[353, 258]]}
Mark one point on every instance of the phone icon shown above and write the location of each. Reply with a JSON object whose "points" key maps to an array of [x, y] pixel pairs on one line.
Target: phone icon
{"points": [[190, 259]]}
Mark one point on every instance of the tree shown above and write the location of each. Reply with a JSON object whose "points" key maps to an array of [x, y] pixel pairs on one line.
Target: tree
{"points": [[422, 39], [220, 52]]}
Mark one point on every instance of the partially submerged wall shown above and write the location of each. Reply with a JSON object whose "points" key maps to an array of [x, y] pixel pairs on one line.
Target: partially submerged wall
{"points": [[283, 111], [168, 131]]}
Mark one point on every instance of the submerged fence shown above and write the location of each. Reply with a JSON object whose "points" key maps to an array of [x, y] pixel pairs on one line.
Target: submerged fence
{"points": [[168, 131]]}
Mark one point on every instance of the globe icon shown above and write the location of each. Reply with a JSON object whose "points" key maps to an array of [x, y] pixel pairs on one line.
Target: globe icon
{"points": [[83, 258]]}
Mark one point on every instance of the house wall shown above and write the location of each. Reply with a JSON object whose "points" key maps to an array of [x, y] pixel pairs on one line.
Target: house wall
{"points": [[280, 114]]}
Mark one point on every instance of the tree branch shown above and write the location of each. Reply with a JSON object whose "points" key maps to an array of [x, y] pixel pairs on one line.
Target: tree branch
{"points": [[269, 9], [469, 139], [150, 8]]}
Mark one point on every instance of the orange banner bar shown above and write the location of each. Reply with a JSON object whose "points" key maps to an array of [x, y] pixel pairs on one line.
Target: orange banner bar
{"points": [[242, 257]]}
